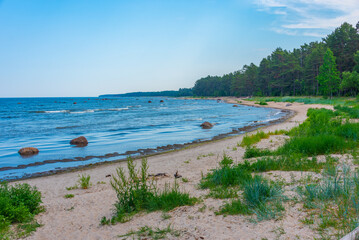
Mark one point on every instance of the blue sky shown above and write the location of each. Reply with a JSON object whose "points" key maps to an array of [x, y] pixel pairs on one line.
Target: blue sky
{"points": [[86, 47]]}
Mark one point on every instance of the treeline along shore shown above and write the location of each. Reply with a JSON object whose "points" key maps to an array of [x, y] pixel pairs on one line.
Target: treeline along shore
{"points": [[324, 68]]}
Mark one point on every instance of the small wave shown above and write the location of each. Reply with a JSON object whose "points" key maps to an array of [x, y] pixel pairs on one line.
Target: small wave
{"points": [[194, 119], [8, 117], [110, 109], [85, 111], [81, 111], [268, 120], [67, 127]]}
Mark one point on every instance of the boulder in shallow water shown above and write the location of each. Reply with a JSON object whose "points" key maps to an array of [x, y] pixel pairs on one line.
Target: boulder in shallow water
{"points": [[206, 125], [28, 151], [149, 101], [235, 105], [80, 141], [161, 101]]}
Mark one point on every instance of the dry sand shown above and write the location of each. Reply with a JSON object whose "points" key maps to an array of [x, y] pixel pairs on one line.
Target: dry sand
{"points": [[79, 217]]}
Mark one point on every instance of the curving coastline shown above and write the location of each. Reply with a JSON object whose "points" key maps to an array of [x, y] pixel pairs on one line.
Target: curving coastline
{"points": [[90, 205], [147, 152]]}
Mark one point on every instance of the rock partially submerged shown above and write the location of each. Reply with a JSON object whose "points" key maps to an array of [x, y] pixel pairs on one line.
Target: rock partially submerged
{"points": [[80, 141], [235, 105], [28, 151], [288, 105], [206, 125], [161, 101]]}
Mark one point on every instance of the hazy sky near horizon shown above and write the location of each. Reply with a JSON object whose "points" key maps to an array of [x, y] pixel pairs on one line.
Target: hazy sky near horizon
{"points": [[86, 47]]}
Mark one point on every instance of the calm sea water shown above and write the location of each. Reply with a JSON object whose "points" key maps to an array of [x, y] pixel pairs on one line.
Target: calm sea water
{"points": [[112, 125]]}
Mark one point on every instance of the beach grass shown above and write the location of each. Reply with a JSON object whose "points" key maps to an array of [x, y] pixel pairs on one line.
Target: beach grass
{"points": [[335, 200], [249, 140], [135, 193], [84, 181], [323, 132]]}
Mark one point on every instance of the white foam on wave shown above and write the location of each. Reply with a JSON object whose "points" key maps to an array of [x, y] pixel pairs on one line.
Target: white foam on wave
{"points": [[111, 109], [270, 119], [194, 119], [86, 111], [57, 111]]}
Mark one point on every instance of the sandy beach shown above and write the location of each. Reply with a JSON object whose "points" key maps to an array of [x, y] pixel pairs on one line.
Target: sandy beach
{"points": [[79, 217]]}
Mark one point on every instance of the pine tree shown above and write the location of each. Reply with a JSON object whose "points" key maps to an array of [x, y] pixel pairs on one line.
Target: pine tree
{"points": [[328, 75]]}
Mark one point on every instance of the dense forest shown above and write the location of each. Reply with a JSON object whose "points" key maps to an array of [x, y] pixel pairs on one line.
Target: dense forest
{"points": [[328, 68]]}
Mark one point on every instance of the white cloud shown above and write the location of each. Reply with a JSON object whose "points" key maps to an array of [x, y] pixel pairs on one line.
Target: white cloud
{"points": [[310, 17]]}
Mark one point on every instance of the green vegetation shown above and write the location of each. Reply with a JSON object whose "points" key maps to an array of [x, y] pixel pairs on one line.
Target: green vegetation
{"points": [[324, 132], [249, 140], [147, 232], [84, 181], [313, 69], [335, 200], [331, 201], [185, 180], [328, 76], [135, 193], [18, 205], [235, 207], [261, 197], [261, 103], [306, 100], [69, 195]]}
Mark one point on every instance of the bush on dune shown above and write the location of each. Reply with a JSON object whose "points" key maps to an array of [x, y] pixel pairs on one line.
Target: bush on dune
{"points": [[136, 193], [18, 204]]}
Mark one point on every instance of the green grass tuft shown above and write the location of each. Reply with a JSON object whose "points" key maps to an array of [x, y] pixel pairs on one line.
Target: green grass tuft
{"points": [[135, 193], [84, 181]]}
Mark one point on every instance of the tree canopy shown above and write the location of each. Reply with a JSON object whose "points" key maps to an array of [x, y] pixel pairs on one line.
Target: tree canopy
{"points": [[295, 72]]}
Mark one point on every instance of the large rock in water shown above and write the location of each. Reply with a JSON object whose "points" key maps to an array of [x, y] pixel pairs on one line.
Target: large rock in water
{"points": [[206, 125], [80, 141], [28, 151]]}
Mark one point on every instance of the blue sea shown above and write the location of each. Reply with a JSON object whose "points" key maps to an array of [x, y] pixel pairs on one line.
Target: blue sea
{"points": [[114, 127]]}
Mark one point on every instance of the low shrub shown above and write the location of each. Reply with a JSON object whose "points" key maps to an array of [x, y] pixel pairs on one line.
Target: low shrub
{"points": [[135, 193], [18, 204]]}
